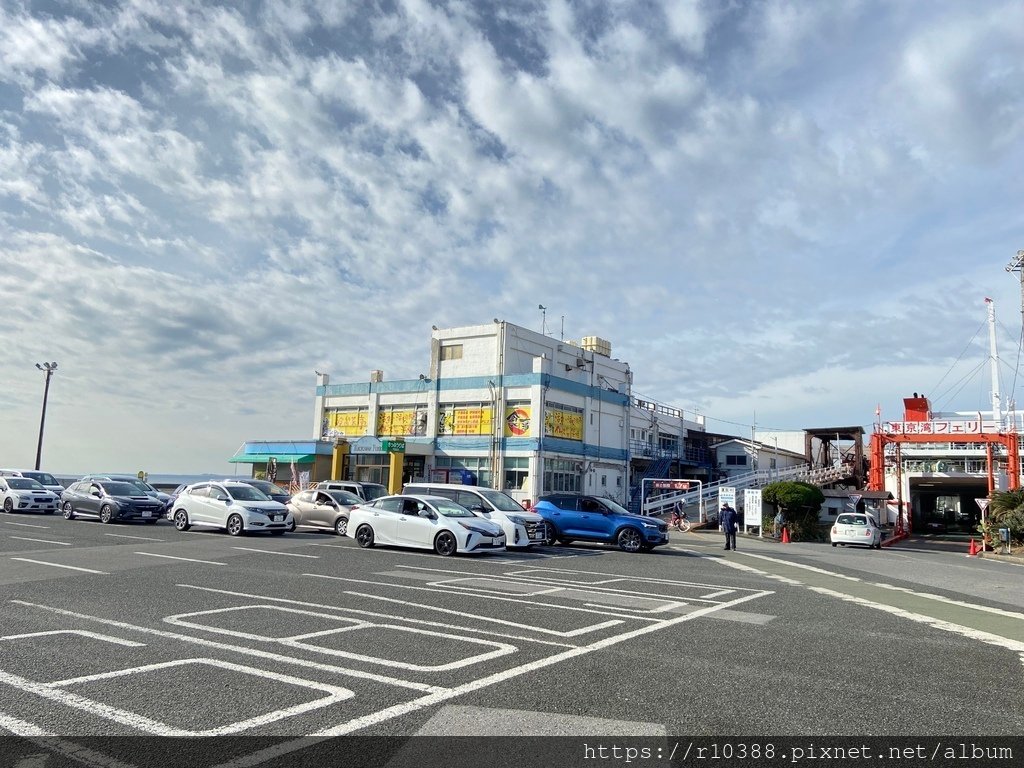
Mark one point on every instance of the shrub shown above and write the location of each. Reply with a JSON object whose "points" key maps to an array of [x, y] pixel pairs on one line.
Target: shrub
{"points": [[801, 504]]}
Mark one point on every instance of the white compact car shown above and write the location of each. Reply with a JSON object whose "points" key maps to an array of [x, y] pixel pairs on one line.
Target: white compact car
{"points": [[522, 528], [23, 494], [856, 528], [423, 522], [236, 507]]}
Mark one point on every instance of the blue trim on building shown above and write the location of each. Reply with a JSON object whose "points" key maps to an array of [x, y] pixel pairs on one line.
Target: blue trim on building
{"points": [[576, 448], [418, 386], [318, 447]]}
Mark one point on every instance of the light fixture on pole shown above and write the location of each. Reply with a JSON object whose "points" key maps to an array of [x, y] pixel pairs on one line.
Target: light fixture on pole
{"points": [[49, 368], [543, 319]]}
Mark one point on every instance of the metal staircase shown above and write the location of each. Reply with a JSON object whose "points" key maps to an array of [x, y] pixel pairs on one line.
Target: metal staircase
{"points": [[657, 468], [662, 503]]}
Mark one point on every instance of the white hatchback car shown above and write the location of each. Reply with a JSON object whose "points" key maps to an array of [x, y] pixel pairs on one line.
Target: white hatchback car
{"points": [[236, 507], [23, 494], [856, 528], [424, 522]]}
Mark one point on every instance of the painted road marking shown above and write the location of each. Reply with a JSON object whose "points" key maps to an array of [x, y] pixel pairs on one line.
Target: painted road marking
{"points": [[126, 536], [951, 601], [20, 727], [531, 603], [58, 565], [720, 593], [251, 652], [271, 552], [43, 541], [186, 559], [812, 568], [946, 626], [82, 633], [178, 620], [24, 525], [435, 609], [53, 692]]}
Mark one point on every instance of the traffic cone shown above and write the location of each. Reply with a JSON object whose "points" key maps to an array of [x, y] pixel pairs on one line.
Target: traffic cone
{"points": [[785, 535], [973, 549]]}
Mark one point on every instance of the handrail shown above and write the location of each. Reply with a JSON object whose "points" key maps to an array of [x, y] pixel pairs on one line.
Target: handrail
{"points": [[664, 502]]}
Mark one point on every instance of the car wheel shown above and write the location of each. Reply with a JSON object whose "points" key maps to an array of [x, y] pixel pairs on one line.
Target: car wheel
{"points": [[364, 536], [629, 540], [341, 526], [8, 505], [833, 543], [69, 511], [181, 520], [551, 536], [236, 527], [106, 514], [445, 544]]}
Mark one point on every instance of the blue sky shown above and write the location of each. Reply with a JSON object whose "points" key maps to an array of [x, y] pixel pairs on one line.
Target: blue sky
{"points": [[788, 211]]}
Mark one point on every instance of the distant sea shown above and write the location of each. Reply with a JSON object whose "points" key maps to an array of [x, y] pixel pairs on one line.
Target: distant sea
{"points": [[162, 482]]}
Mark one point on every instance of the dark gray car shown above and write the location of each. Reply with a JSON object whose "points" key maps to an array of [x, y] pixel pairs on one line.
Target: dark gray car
{"points": [[109, 500]]}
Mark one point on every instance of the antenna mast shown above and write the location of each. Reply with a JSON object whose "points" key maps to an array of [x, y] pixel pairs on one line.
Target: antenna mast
{"points": [[993, 356]]}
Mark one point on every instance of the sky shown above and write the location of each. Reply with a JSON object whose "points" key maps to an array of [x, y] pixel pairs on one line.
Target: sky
{"points": [[779, 213]]}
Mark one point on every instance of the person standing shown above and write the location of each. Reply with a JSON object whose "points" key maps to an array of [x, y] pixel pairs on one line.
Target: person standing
{"points": [[779, 522], [728, 520]]}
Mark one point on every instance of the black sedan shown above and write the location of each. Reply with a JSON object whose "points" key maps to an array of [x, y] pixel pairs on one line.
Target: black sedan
{"points": [[109, 500]]}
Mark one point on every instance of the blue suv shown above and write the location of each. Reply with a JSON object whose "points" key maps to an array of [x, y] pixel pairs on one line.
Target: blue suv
{"points": [[572, 516]]}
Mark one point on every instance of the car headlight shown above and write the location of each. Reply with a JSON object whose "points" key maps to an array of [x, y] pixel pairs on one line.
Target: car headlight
{"points": [[257, 510], [652, 526], [516, 520], [474, 529]]}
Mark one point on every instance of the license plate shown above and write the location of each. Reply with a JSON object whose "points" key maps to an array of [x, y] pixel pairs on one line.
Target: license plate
{"points": [[278, 518], [147, 514], [538, 535]]}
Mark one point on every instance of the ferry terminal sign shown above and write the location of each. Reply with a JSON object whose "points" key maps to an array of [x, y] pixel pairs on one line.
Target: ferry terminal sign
{"points": [[965, 427]]}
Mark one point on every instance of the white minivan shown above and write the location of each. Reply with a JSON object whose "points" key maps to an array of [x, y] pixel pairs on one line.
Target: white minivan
{"points": [[522, 528]]}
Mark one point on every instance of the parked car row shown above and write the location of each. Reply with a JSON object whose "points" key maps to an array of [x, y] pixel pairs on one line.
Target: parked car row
{"points": [[447, 518]]}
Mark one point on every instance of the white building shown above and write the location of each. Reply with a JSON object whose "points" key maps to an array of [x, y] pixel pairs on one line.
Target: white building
{"points": [[499, 405]]}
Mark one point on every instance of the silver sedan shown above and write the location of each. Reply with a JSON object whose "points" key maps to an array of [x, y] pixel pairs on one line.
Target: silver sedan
{"points": [[323, 510]]}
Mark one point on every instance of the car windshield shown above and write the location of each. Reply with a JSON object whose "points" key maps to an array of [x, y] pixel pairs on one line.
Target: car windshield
{"points": [[115, 488], [500, 500], [852, 520], [615, 507], [45, 478], [344, 497], [374, 491], [141, 486], [449, 508], [24, 484], [247, 493]]}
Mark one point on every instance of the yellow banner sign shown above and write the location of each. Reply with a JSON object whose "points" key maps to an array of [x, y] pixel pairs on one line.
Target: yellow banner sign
{"points": [[517, 421], [464, 421], [565, 424], [396, 422], [348, 422]]}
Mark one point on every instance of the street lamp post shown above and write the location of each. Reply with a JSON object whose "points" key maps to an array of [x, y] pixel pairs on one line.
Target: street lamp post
{"points": [[49, 368]]}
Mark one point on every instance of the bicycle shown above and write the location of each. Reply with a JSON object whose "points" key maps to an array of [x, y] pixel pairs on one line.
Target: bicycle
{"points": [[679, 521]]}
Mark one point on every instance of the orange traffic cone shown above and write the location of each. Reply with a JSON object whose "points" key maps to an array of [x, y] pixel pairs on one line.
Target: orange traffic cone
{"points": [[973, 549], [785, 535]]}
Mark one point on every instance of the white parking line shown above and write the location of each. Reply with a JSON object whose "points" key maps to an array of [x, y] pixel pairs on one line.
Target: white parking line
{"points": [[58, 565], [23, 525], [20, 727], [243, 651], [80, 632], [271, 552], [186, 559], [126, 536], [435, 609], [44, 541]]}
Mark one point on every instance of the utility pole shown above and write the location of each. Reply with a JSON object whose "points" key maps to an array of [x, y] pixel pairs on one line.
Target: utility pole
{"points": [[993, 355], [49, 368], [1017, 265]]}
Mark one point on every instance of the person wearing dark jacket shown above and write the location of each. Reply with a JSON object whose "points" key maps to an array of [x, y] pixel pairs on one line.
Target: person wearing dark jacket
{"points": [[727, 518]]}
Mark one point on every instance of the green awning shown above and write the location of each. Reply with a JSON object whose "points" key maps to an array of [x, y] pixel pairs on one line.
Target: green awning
{"points": [[263, 458]]}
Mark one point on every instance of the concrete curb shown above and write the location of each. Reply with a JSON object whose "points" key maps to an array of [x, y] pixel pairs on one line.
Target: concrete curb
{"points": [[894, 539]]}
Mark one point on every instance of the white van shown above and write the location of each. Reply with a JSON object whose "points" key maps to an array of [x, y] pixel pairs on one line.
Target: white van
{"points": [[522, 528]]}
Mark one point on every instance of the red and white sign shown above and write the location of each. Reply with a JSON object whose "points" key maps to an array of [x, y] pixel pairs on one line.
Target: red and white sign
{"points": [[671, 485], [965, 427]]}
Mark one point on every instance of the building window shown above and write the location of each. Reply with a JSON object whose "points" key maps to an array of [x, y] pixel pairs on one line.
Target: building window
{"points": [[478, 465], [517, 470], [736, 461], [451, 351], [561, 475]]}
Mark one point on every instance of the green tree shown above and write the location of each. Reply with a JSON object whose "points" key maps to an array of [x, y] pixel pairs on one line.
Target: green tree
{"points": [[1005, 510], [801, 504]]}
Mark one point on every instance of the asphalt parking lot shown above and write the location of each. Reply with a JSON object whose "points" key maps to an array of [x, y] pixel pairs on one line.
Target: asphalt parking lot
{"points": [[132, 629]]}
